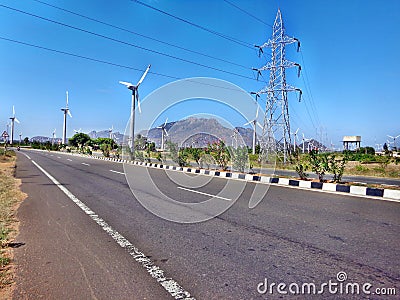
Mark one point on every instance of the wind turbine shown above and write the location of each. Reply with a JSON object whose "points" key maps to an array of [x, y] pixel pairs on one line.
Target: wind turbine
{"points": [[255, 123], [164, 133], [110, 131], [54, 136], [394, 140], [295, 138], [78, 131], [13, 118], [66, 111], [234, 137], [304, 139], [135, 97]]}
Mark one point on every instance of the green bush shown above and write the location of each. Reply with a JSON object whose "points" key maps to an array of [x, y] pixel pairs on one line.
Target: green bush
{"points": [[240, 158], [361, 169]]}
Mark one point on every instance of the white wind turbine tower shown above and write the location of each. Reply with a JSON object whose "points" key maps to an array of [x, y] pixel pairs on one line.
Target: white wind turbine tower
{"points": [[66, 111], [13, 118], [304, 139], [135, 97], [394, 140], [295, 139], [255, 124], [164, 133], [234, 137], [54, 136], [110, 131]]}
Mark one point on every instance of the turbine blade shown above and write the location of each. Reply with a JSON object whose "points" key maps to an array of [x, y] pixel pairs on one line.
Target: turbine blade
{"points": [[127, 84], [16, 120], [259, 125], [247, 123], [13, 111], [390, 136], [257, 111], [166, 132], [296, 131], [166, 120], [67, 99], [69, 113], [143, 76]]}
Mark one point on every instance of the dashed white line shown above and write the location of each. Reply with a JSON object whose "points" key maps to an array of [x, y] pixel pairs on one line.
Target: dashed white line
{"points": [[201, 193], [169, 284], [26, 155], [117, 172], [69, 159], [58, 157], [85, 164]]}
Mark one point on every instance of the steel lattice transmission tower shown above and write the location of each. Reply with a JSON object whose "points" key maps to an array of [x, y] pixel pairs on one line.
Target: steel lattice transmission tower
{"points": [[276, 139]]}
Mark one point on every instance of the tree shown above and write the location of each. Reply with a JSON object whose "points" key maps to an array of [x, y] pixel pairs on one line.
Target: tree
{"points": [[177, 156], [140, 142], [79, 140], [106, 145], [220, 153], [336, 166], [240, 158], [195, 154], [319, 164], [26, 141]]}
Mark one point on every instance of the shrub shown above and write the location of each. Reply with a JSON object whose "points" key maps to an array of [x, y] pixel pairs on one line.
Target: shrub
{"points": [[362, 169], [336, 166], [319, 164], [240, 158]]}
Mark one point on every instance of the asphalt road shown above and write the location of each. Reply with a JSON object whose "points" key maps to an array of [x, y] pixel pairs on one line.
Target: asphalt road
{"points": [[291, 236]]}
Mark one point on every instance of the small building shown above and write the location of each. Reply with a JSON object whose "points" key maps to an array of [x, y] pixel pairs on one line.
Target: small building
{"points": [[351, 140]]}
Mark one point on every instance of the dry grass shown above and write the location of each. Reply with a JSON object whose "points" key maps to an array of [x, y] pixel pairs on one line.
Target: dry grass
{"points": [[10, 198], [373, 169]]}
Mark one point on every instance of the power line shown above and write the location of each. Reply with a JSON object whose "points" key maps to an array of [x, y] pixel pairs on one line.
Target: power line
{"points": [[247, 13], [307, 84], [109, 63], [224, 36], [126, 43], [141, 35]]}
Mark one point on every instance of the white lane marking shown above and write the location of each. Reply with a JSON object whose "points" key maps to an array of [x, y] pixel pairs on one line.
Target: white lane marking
{"points": [[169, 284], [26, 155], [85, 164], [58, 157], [117, 172], [201, 193], [51, 155], [69, 159]]}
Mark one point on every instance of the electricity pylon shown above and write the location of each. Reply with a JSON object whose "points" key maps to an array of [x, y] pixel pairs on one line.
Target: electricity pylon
{"points": [[276, 139]]}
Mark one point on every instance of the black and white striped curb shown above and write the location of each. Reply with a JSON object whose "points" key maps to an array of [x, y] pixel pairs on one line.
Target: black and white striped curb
{"points": [[328, 187]]}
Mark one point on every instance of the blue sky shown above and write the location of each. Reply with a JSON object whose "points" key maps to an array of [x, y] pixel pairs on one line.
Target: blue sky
{"points": [[349, 54]]}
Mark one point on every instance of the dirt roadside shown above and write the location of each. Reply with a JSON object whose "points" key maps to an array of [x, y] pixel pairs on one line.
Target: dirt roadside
{"points": [[10, 199]]}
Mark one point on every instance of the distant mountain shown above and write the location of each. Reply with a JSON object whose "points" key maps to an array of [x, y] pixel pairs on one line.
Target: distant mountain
{"points": [[117, 136], [199, 132], [44, 139]]}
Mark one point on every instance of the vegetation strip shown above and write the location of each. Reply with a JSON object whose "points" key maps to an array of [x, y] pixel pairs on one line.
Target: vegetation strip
{"points": [[10, 198]]}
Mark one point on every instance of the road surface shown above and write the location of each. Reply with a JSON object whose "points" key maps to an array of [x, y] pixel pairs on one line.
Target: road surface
{"points": [[292, 236]]}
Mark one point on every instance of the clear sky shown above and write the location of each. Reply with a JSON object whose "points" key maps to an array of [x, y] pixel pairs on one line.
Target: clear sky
{"points": [[349, 57]]}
